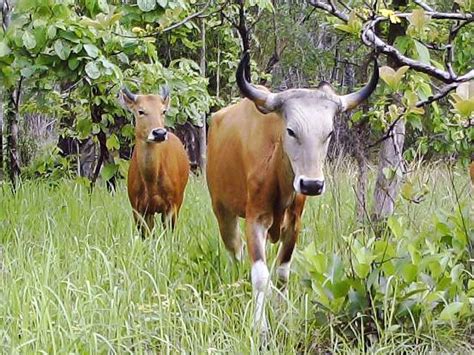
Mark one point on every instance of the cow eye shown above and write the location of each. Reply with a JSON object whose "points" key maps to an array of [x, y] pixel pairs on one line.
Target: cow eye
{"points": [[291, 133], [141, 112]]}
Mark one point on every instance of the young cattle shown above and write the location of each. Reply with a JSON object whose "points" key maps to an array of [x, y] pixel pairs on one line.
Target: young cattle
{"points": [[159, 168], [265, 154]]}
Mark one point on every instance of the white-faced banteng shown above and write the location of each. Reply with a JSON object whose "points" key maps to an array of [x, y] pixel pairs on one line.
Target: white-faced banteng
{"points": [[159, 168], [265, 155]]}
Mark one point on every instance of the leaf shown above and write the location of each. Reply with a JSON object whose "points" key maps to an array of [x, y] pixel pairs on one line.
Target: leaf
{"points": [[29, 40], [62, 49], [91, 50], [466, 90], [109, 170], [51, 32], [162, 3], [92, 70], [103, 6], [449, 312], [113, 142], [409, 272], [391, 77], [418, 19], [146, 5], [4, 49], [73, 63], [423, 52]]}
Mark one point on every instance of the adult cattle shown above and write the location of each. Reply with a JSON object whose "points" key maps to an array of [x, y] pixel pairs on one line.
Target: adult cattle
{"points": [[159, 168], [265, 155]]}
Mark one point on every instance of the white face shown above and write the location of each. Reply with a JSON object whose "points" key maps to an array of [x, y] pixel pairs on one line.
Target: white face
{"points": [[309, 126]]}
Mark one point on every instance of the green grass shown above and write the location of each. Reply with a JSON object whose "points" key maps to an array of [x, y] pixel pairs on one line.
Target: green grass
{"points": [[76, 277]]}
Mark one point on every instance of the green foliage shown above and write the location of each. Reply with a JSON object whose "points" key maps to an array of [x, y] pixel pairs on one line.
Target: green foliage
{"points": [[410, 280]]}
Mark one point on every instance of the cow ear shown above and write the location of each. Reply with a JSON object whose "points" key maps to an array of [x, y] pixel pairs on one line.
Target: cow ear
{"points": [[165, 97]]}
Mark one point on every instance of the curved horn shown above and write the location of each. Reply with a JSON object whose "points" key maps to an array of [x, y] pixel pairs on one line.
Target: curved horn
{"points": [[352, 100], [265, 101], [129, 94]]}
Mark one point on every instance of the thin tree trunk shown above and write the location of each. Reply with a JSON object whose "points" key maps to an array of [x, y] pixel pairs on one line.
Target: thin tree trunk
{"points": [[390, 168], [390, 172], [1, 138], [202, 130], [11, 132]]}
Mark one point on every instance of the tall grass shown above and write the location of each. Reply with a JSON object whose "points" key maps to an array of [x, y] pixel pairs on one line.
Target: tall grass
{"points": [[76, 277]]}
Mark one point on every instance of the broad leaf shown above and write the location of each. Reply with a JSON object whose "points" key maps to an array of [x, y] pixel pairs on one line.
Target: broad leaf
{"points": [[92, 70], [146, 5], [29, 40], [91, 50], [423, 52], [4, 49], [62, 49], [109, 170], [449, 312]]}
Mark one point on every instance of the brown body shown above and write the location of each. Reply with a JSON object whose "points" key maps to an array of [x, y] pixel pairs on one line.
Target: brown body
{"points": [[159, 168], [157, 177], [249, 176]]}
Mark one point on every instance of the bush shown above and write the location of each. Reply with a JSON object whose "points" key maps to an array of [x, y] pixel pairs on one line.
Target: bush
{"points": [[404, 282]]}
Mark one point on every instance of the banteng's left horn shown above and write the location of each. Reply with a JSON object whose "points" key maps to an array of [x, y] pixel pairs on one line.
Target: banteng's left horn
{"points": [[264, 100], [352, 100]]}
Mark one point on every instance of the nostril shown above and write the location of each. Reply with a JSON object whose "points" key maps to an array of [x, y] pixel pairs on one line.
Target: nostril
{"points": [[159, 134], [311, 187]]}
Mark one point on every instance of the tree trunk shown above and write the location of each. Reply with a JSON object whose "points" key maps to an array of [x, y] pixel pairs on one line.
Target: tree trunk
{"points": [[391, 167], [202, 130], [1, 138], [11, 132]]}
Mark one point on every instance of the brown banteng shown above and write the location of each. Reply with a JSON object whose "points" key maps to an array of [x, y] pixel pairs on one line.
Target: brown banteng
{"points": [[265, 154], [159, 168]]}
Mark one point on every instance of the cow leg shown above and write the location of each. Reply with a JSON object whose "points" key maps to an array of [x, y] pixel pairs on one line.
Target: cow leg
{"points": [[169, 218], [256, 230], [289, 236], [229, 229], [150, 223]]}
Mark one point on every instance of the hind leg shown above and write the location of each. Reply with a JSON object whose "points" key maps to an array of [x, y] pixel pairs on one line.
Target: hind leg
{"points": [[229, 229], [144, 222], [169, 218]]}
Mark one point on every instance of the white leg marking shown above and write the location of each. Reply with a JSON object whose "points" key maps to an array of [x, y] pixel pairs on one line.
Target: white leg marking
{"points": [[283, 272], [260, 280], [240, 253]]}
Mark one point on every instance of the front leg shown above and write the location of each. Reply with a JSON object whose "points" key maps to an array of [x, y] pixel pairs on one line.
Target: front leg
{"points": [[256, 231], [289, 236]]}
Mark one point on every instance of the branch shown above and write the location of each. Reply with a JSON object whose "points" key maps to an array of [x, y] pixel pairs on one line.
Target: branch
{"points": [[173, 26], [186, 19], [441, 93], [423, 5], [370, 39]]}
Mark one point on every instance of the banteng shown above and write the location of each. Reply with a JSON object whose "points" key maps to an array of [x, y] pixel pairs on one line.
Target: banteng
{"points": [[159, 168], [265, 155]]}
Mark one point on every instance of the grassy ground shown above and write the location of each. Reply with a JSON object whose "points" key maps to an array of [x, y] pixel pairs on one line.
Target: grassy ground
{"points": [[76, 277]]}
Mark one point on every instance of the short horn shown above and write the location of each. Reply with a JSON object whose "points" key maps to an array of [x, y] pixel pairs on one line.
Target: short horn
{"points": [[164, 92], [265, 101], [352, 100], [129, 94]]}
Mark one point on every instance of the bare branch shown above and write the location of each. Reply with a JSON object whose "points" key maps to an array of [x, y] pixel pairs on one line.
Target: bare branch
{"points": [[423, 5]]}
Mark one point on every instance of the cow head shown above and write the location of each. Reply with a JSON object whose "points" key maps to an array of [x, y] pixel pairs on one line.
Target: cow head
{"points": [[309, 117], [149, 111]]}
